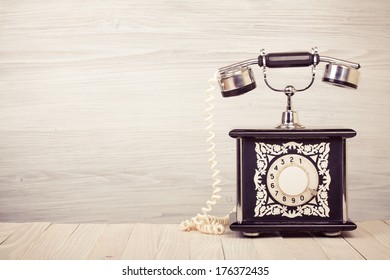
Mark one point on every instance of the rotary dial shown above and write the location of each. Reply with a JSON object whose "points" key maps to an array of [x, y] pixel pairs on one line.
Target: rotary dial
{"points": [[292, 180]]}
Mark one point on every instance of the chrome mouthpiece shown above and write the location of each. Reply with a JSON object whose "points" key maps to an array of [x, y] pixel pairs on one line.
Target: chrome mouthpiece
{"points": [[341, 75]]}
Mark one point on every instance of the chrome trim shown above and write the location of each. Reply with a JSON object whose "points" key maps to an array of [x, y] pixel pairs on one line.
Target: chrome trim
{"points": [[240, 191], [333, 60], [345, 203], [241, 64]]}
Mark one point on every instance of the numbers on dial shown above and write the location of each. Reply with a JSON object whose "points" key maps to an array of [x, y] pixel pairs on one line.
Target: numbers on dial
{"points": [[292, 180]]}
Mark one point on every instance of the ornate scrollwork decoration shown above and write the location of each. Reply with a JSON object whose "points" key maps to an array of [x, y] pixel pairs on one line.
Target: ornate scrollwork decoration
{"points": [[319, 154]]}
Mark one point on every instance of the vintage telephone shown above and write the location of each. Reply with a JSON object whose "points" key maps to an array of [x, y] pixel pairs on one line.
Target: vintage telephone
{"points": [[290, 178]]}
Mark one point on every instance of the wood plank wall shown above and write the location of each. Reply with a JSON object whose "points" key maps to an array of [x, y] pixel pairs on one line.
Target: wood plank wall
{"points": [[101, 102]]}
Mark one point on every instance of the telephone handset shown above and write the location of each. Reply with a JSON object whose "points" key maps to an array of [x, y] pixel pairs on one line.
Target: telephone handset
{"points": [[297, 181], [238, 78]]}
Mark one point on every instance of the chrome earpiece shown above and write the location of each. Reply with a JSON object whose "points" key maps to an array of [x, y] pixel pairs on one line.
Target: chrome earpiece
{"points": [[236, 81]]}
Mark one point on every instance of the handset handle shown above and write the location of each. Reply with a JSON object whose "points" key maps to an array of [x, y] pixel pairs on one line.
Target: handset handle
{"points": [[288, 59]]}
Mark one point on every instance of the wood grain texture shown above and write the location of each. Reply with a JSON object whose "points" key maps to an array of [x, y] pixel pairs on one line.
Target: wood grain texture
{"points": [[6, 230], [112, 243], [238, 248], [337, 248], [273, 247], [41, 241], [205, 247], [174, 244], [51, 240], [80, 243], [304, 247], [21, 240], [372, 244], [101, 112], [143, 242]]}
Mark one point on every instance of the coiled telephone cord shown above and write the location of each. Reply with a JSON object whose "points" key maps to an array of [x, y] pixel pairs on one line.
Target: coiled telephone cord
{"points": [[204, 222]]}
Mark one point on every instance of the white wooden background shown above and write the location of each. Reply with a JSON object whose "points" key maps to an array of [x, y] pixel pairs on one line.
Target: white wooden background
{"points": [[101, 102]]}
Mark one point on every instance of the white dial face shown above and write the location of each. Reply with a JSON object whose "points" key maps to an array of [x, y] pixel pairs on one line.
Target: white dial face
{"points": [[292, 180]]}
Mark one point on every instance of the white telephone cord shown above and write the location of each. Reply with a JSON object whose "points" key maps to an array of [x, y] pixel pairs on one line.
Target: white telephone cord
{"points": [[204, 222]]}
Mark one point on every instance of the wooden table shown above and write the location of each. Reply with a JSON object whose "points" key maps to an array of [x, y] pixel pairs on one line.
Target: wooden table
{"points": [[165, 241]]}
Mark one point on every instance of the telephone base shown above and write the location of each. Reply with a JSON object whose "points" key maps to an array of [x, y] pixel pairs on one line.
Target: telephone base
{"points": [[252, 229]]}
